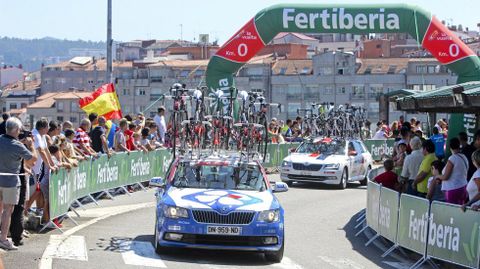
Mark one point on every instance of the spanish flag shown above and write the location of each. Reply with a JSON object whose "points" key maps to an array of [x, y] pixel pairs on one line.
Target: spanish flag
{"points": [[104, 102]]}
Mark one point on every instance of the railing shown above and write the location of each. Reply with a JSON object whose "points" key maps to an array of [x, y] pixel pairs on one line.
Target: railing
{"points": [[434, 230]]}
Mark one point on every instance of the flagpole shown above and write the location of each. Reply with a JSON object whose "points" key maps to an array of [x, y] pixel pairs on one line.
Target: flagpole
{"points": [[108, 73]]}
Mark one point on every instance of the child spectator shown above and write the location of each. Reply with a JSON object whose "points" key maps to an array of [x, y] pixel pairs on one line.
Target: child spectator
{"points": [[400, 157], [473, 186], [435, 192], [388, 178]]}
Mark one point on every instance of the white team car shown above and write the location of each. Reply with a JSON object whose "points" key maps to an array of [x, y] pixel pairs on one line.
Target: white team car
{"points": [[327, 160]]}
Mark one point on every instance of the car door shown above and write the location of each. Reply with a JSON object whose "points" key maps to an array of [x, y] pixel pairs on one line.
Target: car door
{"points": [[359, 160], [353, 168]]}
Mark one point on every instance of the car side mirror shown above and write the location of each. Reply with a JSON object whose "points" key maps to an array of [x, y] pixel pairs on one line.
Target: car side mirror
{"points": [[292, 150], [279, 187], [352, 153], [157, 182]]}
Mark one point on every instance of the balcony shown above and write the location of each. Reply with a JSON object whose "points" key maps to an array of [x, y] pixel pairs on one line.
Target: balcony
{"points": [[357, 96]]}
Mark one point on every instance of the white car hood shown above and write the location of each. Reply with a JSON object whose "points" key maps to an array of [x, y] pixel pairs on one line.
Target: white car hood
{"points": [[221, 199], [314, 158]]}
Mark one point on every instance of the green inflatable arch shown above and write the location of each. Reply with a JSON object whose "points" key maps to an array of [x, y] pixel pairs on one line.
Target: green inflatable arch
{"points": [[356, 19]]}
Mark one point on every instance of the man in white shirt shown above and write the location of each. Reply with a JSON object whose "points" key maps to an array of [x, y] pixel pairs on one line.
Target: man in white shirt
{"points": [[412, 164], [160, 121]]}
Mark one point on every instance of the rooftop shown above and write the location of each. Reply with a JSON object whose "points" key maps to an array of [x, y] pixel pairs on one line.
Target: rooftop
{"points": [[48, 100], [86, 64], [297, 35], [292, 67]]}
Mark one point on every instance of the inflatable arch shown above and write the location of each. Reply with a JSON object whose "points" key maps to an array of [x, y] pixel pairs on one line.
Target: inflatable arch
{"points": [[356, 19]]}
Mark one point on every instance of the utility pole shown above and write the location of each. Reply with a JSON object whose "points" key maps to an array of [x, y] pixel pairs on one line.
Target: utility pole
{"points": [[181, 32], [108, 72]]}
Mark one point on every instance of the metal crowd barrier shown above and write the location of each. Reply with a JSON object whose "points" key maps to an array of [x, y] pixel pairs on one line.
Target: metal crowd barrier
{"points": [[434, 230]]}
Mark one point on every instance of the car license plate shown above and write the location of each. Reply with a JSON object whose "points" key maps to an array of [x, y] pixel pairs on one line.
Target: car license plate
{"points": [[230, 230], [306, 173]]}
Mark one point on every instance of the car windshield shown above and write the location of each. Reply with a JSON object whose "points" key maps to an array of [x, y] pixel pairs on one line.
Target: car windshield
{"points": [[247, 177], [328, 148]]}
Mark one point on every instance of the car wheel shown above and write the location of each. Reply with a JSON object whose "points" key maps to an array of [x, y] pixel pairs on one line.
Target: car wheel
{"points": [[364, 181], [343, 180], [275, 256]]}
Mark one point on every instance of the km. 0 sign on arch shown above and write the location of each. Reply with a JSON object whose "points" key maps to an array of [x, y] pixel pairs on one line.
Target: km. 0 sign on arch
{"points": [[356, 19]]}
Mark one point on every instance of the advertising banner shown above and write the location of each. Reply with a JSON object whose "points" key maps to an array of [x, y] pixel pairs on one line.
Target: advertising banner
{"points": [[453, 235], [373, 200], [103, 173], [388, 214], [412, 223], [380, 148]]}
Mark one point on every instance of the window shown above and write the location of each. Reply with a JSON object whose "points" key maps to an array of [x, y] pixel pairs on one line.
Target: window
{"points": [[391, 69], [282, 71], [340, 71], [184, 73], [432, 69], [126, 92], [73, 119], [292, 109], [325, 71], [13, 106], [305, 71], [73, 107], [294, 92], [421, 69], [141, 91], [358, 91], [328, 90], [140, 109], [59, 106], [60, 118], [378, 46], [341, 90], [127, 109], [312, 92], [61, 80]]}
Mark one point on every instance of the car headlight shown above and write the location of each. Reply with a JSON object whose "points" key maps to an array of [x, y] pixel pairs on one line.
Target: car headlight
{"points": [[332, 166], [269, 215], [174, 212], [286, 164]]}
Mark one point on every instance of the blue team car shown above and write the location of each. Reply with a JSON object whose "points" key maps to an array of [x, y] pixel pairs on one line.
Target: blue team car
{"points": [[219, 202]]}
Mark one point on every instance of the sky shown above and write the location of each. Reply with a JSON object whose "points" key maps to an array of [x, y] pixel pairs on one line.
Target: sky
{"points": [[159, 19]]}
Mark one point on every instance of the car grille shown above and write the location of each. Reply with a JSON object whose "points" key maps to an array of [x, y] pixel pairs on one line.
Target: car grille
{"points": [[222, 240], [212, 217], [311, 167], [309, 178]]}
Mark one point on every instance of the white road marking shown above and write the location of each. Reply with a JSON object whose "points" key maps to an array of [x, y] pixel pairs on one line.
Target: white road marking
{"points": [[72, 248], [342, 263], [140, 253], [46, 261], [287, 263]]}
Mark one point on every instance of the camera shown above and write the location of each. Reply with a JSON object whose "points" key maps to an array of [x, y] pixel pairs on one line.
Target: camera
{"points": [[24, 134]]}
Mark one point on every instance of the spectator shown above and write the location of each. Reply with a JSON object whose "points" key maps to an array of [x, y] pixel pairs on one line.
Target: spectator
{"points": [[5, 117], [425, 170], [299, 121], [467, 150], [99, 138], [66, 125], [93, 118], [401, 120], [137, 139], [454, 175], [129, 137], [411, 165], [145, 141], [13, 152], [476, 139], [160, 121], [388, 178], [120, 142], [53, 132], [82, 140], [42, 163], [440, 125], [412, 123], [439, 140], [62, 144], [272, 133], [435, 192], [288, 134], [418, 126], [399, 158], [381, 134], [70, 150], [473, 186], [394, 129], [366, 131]]}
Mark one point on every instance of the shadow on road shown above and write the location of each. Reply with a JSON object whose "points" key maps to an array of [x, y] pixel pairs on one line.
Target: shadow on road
{"points": [[192, 256], [370, 252]]}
